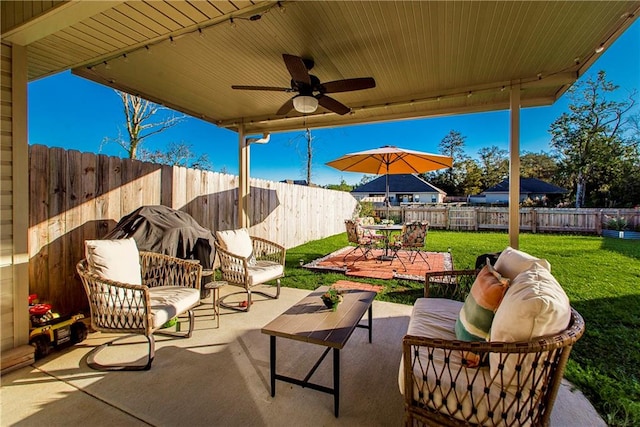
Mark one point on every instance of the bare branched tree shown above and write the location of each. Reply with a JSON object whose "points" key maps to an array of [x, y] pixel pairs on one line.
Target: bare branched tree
{"points": [[177, 154], [307, 165], [138, 115]]}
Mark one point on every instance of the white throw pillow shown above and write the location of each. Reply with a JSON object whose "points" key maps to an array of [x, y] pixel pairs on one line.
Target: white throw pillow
{"points": [[238, 242], [512, 262], [535, 305], [117, 260]]}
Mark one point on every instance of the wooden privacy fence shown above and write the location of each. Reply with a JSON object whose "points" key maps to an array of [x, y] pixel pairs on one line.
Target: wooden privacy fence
{"points": [[536, 220], [76, 196]]}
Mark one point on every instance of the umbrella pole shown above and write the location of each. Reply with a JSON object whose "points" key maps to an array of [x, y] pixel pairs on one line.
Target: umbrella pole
{"points": [[387, 192]]}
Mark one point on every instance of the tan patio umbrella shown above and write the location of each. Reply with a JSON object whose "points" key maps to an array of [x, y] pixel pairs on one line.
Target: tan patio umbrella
{"points": [[391, 160]]}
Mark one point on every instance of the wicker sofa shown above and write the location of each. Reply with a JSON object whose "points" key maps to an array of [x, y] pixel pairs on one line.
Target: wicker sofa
{"points": [[518, 379]]}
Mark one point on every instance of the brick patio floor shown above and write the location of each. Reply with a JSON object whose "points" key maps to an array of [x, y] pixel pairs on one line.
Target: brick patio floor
{"points": [[375, 269]]}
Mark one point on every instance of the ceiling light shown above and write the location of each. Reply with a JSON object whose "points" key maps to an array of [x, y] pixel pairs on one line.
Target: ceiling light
{"points": [[600, 48], [305, 104]]}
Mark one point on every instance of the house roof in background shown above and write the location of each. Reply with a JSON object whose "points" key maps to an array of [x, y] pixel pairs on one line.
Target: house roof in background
{"points": [[403, 183], [428, 58], [528, 185]]}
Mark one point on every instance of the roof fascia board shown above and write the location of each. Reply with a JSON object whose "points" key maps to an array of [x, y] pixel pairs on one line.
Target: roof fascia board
{"points": [[555, 79], [626, 23], [328, 121]]}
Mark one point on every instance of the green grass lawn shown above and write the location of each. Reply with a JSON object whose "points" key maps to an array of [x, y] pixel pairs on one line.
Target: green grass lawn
{"points": [[600, 276]]}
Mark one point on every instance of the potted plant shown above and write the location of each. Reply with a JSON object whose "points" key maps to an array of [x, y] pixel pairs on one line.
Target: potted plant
{"points": [[332, 298], [617, 228]]}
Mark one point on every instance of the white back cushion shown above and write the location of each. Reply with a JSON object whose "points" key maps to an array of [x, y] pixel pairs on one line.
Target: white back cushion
{"points": [[512, 262], [535, 305], [238, 242], [117, 260]]}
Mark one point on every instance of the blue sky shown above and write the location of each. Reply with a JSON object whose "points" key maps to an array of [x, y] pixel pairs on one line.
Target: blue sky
{"points": [[74, 113]]}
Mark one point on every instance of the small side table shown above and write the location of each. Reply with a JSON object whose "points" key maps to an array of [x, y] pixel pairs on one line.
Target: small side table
{"points": [[215, 286]]}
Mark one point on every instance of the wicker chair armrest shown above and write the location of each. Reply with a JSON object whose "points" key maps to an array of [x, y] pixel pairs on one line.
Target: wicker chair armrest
{"points": [[164, 270], [454, 284], [115, 305], [232, 267], [266, 250]]}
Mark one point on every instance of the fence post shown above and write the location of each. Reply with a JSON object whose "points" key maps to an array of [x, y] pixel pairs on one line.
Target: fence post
{"points": [[446, 218], [475, 217], [599, 222], [534, 220]]}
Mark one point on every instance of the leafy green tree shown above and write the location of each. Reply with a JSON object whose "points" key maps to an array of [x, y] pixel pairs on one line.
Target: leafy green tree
{"points": [[494, 163], [472, 177], [590, 142], [538, 165], [451, 145], [343, 186]]}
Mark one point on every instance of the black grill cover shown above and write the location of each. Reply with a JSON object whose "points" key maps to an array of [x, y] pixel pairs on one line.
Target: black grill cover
{"points": [[167, 231]]}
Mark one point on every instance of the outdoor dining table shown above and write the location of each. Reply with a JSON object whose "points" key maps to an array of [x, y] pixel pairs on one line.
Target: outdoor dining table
{"points": [[386, 229]]}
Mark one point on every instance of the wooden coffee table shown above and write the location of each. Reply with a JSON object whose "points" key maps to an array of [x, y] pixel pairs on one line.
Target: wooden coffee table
{"points": [[311, 321]]}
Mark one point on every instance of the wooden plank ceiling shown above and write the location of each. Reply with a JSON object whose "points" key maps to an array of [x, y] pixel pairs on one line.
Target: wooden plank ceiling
{"points": [[428, 58]]}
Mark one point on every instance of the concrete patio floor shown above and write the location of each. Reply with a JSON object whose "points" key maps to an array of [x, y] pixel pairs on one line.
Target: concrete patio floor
{"points": [[221, 377]]}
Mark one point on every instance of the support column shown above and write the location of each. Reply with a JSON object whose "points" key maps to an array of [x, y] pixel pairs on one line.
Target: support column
{"points": [[514, 168], [243, 185]]}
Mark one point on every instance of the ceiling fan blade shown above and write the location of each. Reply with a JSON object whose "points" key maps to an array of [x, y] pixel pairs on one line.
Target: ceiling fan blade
{"points": [[347, 85], [297, 68], [269, 88], [286, 107], [333, 105]]}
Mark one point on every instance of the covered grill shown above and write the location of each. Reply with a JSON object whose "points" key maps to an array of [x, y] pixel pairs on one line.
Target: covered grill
{"points": [[167, 231]]}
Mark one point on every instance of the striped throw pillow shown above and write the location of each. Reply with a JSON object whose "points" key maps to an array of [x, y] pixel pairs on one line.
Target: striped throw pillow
{"points": [[476, 315]]}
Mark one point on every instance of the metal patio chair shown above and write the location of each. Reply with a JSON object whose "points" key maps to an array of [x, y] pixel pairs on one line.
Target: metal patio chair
{"points": [[364, 242], [412, 238]]}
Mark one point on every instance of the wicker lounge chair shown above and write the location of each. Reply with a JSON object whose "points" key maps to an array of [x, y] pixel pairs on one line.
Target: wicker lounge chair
{"points": [[168, 287], [248, 261]]}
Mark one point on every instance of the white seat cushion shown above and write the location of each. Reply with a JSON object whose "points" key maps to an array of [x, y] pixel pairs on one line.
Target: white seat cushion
{"points": [[117, 260], [264, 271], [169, 301]]}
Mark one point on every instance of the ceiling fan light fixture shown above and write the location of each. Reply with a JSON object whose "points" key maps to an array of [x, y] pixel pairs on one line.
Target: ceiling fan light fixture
{"points": [[305, 104]]}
